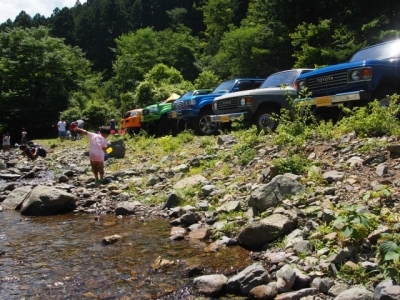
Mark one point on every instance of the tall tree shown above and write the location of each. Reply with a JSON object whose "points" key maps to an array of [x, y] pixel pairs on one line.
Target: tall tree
{"points": [[38, 73]]}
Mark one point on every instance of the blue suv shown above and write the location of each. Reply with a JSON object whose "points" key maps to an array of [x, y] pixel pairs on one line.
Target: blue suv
{"points": [[195, 111], [372, 73]]}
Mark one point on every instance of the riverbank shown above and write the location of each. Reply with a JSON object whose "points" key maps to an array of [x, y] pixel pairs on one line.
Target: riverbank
{"points": [[312, 231]]}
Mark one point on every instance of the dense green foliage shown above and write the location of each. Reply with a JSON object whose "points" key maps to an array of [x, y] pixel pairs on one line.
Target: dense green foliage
{"points": [[204, 40]]}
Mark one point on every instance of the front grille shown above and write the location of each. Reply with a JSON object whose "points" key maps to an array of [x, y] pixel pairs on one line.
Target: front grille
{"points": [[327, 81], [228, 103], [177, 105], [145, 112]]}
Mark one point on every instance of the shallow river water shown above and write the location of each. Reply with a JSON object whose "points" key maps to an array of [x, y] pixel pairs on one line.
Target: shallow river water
{"points": [[62, 257]]}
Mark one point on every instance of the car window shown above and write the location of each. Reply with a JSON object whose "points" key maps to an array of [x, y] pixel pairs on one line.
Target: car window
{"points": [[381, 51], [283, 78], [224, 87]]}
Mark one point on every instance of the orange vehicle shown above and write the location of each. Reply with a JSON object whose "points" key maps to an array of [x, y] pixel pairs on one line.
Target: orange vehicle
{"points": [[130, 121]]}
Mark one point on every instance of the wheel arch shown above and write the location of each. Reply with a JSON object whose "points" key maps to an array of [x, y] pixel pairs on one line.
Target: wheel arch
{"points": [[274, 105]]}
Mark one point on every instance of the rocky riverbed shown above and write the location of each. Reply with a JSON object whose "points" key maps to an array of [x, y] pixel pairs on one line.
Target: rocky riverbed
{"points": [[294, 225]]}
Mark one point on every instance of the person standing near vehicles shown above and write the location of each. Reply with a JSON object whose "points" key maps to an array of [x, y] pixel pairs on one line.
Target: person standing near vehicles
{"points": [[79, 123], [62, 130], [112, 126], [97, 149], [24, 136], [6, 142], [72, 127]]}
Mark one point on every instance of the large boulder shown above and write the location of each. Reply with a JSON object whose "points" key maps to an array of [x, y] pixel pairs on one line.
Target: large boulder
{"points": [[243, 282], [271, 194], [210, 285], [16, 197], [45, 200], [257, 234]]}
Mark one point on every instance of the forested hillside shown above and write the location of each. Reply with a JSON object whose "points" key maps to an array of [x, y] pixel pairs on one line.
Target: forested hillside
{"points": [[102, 57]]}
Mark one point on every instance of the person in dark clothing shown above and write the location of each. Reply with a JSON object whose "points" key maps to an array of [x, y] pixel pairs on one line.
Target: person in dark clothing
{"points": [[112, 126], [29, 152]]}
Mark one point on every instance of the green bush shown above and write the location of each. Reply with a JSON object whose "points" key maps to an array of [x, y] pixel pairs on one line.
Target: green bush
{"points": [[295, 163], [373, 119]]}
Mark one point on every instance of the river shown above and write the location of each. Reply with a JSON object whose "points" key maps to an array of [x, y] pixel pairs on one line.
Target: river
{"points": [[62, 257]]}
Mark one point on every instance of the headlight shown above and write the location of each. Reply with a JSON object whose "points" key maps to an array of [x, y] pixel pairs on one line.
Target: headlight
{"points": [[361, 74], [242, 101], [215, 105], [355, 75], [154, 110], [302, 84], [189, 102]]}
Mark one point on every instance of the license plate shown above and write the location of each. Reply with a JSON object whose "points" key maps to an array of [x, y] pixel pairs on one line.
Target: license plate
{"points": [[323, 101], [224, 119], [174, 114]]}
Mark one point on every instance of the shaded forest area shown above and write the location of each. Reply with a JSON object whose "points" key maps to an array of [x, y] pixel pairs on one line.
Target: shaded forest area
{"points": [[103, 57]]}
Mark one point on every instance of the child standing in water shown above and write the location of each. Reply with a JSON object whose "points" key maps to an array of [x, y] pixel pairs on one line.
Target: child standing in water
{"points": [[97, 149]]}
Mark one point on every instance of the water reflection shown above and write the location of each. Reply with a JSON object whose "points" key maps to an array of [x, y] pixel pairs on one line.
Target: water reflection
{"points": [[62, 257]]}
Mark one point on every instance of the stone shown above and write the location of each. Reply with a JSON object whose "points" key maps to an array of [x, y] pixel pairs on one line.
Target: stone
{"points": [[333, 176], [162, 264], [252, 276], [200, 234], [125, 208], [322, 284], [381, 170], [16, 197], [303, 247], [189, 218], [381, 293], [257, 234], [336, 289], [302, 280], [190, 181], [286, 277], [356, 293], [107, 240], [273, 193], [393, 148], [208, 189], [229, 206], [46, 200], [183, 168], [226, 140], [171, 201], [264, 292], [210, 285], [297, 295], [7, 186]]}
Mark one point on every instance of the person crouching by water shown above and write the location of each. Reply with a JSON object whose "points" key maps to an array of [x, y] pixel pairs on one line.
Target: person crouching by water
{"points": [[97, 149], [29, 152]]}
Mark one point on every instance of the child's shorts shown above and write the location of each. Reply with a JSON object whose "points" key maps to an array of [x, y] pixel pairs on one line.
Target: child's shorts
{"points": [[97, 166]]}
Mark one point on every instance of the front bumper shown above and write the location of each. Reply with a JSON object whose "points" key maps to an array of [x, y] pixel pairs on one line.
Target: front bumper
{"points": [[228, 117], [183, 114], [334, 100]]}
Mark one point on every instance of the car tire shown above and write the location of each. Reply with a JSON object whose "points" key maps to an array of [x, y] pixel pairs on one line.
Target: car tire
{"points": [[264, 119], [166, 126], [203, 124], [382, 93]]}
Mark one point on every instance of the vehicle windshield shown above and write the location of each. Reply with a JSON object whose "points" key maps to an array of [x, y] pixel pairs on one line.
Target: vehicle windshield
{"points": [[383, 51], [224, 87], [187, 94], [276, 80]]}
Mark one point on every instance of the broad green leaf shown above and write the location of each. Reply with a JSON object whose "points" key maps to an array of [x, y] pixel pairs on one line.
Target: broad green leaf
{"points": [[347, 231], [389, 250]]}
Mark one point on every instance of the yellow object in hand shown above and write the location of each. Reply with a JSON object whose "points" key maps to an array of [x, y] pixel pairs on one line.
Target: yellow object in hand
{"points": [[109, 150]]}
